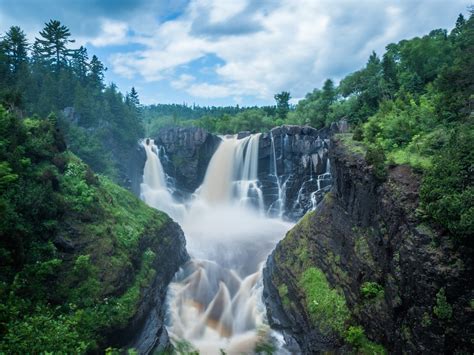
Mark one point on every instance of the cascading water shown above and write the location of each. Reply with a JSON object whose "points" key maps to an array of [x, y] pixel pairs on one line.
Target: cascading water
{"points": [[154, 190], [215, 300]]}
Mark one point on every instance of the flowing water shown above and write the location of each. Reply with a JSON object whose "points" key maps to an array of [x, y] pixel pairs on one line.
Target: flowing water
{"points": [[215, 300]]}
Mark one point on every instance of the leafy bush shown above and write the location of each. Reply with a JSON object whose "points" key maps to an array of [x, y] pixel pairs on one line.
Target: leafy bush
{"points": [[355, 336], [375, 156], [371, 290], [447, 191]]}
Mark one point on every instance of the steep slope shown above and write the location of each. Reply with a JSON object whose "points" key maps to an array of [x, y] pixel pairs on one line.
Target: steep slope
{"points": [[84, 264], [363, 265]]}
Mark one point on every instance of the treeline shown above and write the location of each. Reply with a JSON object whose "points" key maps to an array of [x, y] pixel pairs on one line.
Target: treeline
{"points": [[213, 118], [47, 76]]}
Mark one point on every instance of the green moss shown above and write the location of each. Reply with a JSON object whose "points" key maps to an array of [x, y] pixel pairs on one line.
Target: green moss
{"points": [[326, 306], [283, 293], [362, 250]]}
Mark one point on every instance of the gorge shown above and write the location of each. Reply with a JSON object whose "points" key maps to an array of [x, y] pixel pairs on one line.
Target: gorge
{"points": [[222, 300], [335, 219], [215, 301]]}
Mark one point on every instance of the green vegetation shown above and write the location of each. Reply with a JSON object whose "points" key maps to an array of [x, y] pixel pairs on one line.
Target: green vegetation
{"points": [[67, 238], [415, 107], [370, 290], [101, 125], [442, 309], [283, 293], [355, 336], [326, 306]]}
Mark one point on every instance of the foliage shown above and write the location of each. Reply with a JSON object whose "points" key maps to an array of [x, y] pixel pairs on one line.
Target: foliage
{"points": [[282, 104], [100, 125], [326, 306], [375, 156], [442, 309], [447, 192], [67, 237], [370, 290], [355, 336]]}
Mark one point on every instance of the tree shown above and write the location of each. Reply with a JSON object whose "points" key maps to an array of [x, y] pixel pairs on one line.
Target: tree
{"points": [[133, 97], [80, 64], [96, 76], [16, 47], [283, 106], [52, 46]]}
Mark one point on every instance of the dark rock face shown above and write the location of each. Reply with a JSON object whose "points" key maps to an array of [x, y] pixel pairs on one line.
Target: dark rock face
{"points": [[187, 152], [293, 161], [131, 170], [366, 231], [146, 331]]}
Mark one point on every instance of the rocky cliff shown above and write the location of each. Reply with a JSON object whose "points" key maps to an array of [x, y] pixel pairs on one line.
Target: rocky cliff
{"points": [[293, 162], [186, 155], [395, 280]]}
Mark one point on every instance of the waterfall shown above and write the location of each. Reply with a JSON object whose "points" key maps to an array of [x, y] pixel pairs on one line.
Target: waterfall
{"points": [[279, 204], [154, 190], [215, 300], [246, 172], [232, 174]]}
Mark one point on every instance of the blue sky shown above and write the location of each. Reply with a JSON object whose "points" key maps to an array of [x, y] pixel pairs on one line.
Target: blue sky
{"points": [[227, 52]]}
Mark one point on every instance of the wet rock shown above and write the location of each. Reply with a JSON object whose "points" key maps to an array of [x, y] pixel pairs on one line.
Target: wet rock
{"points": [[299, 155], [186, 155]]}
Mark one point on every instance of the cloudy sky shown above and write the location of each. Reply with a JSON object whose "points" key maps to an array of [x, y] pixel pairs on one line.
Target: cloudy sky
{"points": [[219, 52]]}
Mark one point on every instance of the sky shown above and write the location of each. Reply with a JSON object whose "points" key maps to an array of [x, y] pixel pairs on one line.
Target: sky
{"points": [[228, 52]]}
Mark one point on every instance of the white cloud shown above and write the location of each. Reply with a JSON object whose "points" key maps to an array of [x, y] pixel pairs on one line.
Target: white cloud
{"points": [[111, 33], [183, 81], [295, 47]]}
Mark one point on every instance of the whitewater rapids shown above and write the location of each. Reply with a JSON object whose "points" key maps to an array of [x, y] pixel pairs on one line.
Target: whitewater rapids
{"points": [[215, 300]]}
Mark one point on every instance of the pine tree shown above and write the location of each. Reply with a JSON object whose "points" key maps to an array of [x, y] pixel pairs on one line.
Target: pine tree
{"points": [[52, 47], [133, 97], [96, 76], [15, 47], [80, 64]]}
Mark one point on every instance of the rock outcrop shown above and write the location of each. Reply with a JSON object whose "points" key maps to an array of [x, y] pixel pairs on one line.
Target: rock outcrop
{"points": [[187, 152], [367, 235], [148, 322], [293, 167]]}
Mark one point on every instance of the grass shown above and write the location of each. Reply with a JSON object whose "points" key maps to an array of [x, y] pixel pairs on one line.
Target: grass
{"points": [[352, 145], [326, 306]]}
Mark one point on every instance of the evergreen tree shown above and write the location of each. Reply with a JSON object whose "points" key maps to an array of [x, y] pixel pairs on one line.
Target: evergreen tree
{"points": [[133, 98], [96, 75], [283, 106], [16, 48], [80, 64], [52, 46]]}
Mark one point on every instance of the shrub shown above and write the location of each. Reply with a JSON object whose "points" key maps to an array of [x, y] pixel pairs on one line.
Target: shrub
{"points": [[447, 191], [442, 309], [375, 156], [355, 336], [371, 290], [358, 134]]}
